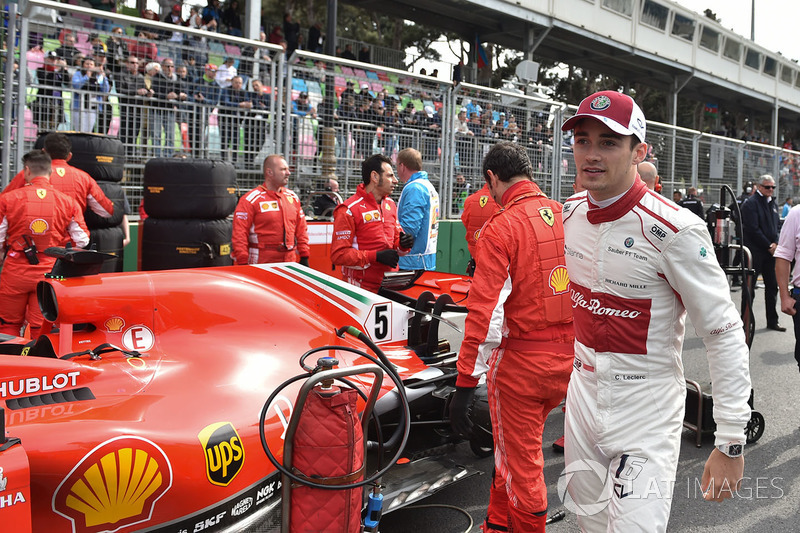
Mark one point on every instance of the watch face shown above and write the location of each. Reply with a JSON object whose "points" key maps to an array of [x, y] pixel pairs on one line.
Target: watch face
{"points": [[735, 450]]}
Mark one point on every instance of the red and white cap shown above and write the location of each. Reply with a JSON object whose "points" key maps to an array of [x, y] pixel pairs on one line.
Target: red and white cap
{"points": [[616, 110]]}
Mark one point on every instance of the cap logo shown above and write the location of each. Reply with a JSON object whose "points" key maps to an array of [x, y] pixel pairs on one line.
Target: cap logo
{"points": [[600, 103]]}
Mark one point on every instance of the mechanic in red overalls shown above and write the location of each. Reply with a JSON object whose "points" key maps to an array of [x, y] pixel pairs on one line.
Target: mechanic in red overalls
{"points": [[269, 225], [478, 207], [518, 332], [367, 240], [33, 219], [72, 181]]}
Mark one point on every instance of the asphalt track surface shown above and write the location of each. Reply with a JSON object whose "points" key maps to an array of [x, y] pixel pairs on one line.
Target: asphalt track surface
{"points": [[769, 500]]}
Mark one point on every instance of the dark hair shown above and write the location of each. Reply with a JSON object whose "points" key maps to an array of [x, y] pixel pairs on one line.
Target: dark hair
{"points": [[374, 162], [506, 160], [38, 162], [57, 145]]}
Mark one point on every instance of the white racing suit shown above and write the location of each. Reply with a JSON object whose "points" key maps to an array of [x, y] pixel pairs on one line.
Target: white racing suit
{"points": [[636, 268]]}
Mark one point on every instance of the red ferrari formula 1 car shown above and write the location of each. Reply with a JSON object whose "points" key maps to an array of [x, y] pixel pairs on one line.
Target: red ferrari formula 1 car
{"points": [[138, 409]]}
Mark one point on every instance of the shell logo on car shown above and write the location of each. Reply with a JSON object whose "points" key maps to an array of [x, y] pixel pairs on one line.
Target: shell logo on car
{"points": [[114, 324], [115, 485]]}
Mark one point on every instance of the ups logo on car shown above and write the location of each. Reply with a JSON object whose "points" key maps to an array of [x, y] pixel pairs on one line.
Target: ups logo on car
{"points": [[224, 452]]}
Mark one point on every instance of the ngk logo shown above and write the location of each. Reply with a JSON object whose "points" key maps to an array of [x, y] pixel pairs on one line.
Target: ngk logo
{"points": [[224, 452]]}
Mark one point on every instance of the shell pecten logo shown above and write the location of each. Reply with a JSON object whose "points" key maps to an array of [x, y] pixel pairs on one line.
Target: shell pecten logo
{"points": [[559, 279], [39, 226], [114, 324], [115, 485]]}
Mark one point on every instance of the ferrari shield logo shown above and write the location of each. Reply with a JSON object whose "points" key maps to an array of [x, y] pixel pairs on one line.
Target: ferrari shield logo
{"points": [[547, 215], [483, 201], [41, 193], [61, 171]]}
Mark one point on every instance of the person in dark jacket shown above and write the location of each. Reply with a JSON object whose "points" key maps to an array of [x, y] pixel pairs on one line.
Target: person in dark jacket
{"points": [[692, 202], [760, 228]]}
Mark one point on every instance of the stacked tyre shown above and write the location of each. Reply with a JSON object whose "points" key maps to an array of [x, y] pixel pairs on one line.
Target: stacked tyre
{"points": [[188, 204], [103, 158]]}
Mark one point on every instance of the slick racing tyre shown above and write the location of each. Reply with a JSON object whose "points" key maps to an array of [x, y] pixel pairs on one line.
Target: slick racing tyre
{"points": [[185, 243], [109, 240], [189, 188], [116, 194], [100, 156]]}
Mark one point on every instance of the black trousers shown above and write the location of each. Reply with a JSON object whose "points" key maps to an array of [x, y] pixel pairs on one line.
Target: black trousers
{"points": [[764, 264]]}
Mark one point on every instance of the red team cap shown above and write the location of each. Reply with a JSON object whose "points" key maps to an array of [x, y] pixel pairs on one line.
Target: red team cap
{"points": [[616, 110]]}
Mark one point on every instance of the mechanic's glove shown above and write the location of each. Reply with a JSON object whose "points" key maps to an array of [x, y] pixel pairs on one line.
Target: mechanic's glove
{"points": [[388, 257], [460, 402], [304, 261], [406, 240], [471, 268]]}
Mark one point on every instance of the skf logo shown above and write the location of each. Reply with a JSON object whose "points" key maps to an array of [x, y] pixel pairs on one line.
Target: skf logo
{"points": [[41, 193], [224, 452], [114, 486], [269, 206], [61, 172], [372, 216], [658, 232], [39, 226], [559, 279], [483, 201], [114, 324], [547, 215]]}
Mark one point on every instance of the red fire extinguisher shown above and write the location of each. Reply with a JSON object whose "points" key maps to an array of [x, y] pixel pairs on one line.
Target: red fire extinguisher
{"points": [[328, 448], [15, 484]]}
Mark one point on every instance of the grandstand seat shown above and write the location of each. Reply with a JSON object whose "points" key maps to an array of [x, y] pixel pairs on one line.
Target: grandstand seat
{"points": [[337, 69], [360, 73], [233, 50], [394, 78], [35, 59], [383, 77], [372, 75], [377, 87], [347, 71], [299, 85], [49, 44], [313, 87]]}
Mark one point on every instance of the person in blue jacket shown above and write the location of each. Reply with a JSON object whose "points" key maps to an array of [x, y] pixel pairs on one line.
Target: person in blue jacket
{"points": [[417, 211]]}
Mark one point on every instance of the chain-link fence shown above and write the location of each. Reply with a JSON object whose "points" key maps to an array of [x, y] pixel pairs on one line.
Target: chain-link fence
{"points": [[324, 114]]}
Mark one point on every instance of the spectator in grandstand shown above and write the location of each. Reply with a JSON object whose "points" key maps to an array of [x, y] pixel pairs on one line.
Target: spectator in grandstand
{"points": [[347, 110], [256, 130], [67, 50], [133, 92], [364, 53], [109, 6], [291, 31], [232, 19], [212, 16], [276, 35], [348, 53], [315, 38], [193, 69], [173, 41], [105, 111], [169, 94], [116, 53], [464, 141], [143, 48], [348, 91], [92, 84], [226, 73], [146, 31], [52, 77], [235, 103], [431, 133]]}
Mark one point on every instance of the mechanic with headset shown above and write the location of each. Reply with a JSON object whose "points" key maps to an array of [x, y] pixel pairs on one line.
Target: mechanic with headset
{"points": [[637, 264], [367, 240], [518, 332]]}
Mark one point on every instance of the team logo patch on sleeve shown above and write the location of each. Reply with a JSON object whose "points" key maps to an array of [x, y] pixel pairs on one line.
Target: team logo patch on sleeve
{"points": [[547, 215], [483, 201], [371, 216], [271, 205]]}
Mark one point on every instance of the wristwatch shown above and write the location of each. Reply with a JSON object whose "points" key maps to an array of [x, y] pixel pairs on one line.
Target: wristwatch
{"points": [[732, 449]]}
